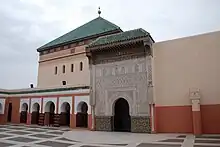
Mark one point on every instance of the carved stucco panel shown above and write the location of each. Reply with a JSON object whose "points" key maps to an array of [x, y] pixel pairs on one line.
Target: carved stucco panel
{"points": [[100, 100], [124, 78]]}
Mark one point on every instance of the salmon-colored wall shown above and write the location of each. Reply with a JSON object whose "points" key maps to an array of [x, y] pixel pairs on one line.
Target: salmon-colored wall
{"points": [[16, 106], [181, 64], [90, 121], [48, 79], [72, 116], [2, 119], [15, 109], [210, 115], [197, 128], [174, 119]]}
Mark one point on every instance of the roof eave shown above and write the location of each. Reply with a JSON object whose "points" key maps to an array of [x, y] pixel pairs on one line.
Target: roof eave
{"points": [[108, 45], [80, 39]]}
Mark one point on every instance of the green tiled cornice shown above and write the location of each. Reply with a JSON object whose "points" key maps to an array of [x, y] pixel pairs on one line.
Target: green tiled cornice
{"points": [[119, 37], [43, 90]]}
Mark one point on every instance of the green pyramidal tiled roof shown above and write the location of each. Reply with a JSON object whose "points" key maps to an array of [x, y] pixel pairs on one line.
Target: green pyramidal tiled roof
{"points": [[119, 37], [94, 27]]}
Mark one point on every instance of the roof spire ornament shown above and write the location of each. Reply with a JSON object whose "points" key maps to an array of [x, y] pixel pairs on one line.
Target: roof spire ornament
{"points": [[99, 12]]}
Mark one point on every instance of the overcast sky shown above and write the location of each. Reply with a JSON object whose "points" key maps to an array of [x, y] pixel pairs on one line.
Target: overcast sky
{"points": [[28, 24]]}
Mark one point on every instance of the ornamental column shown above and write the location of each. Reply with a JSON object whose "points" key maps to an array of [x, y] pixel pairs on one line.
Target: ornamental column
{"points": [[92, 90], [195, 96], [150, 87]]}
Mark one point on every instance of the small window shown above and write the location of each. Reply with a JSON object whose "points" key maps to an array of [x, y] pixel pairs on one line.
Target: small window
{"points": [[56, 70], [69, 46], [65, 47], [62, 47], [81, 43], [72, 67], [81, 66], [64, 82], [64, 69]]}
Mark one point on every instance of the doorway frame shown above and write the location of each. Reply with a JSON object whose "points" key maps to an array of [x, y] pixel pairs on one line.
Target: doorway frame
{"points": [[113, 116]]}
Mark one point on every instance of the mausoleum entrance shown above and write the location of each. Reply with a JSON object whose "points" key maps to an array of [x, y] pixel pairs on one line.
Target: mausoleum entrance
{"points": [[122, 119]]}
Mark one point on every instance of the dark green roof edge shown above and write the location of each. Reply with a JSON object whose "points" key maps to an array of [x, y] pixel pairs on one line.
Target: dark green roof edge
{"points": [[45, 90], [113, 28], [105, 40], [78, 40]]}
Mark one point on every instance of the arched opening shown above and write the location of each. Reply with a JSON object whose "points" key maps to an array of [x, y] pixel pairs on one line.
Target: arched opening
{"points": [[122, 119], [49, 113], [65, 114], [35, 113], [23, 114], [9, 112], [82, 115]]}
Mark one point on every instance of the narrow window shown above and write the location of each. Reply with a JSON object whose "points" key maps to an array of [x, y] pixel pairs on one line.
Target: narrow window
{"points": [[64, 69], [56, 70], [81, 66], [64, 82], [72, 67]]}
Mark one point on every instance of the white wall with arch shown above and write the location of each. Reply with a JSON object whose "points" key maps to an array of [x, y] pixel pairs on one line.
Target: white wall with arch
{"points": [[78, 101], [24, 103], [2, 106], [49, 100], [62, 102], [35, 101]]}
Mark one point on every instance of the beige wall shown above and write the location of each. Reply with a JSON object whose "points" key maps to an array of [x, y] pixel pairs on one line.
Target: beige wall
{"points": [[47, 77], [192, 62]]}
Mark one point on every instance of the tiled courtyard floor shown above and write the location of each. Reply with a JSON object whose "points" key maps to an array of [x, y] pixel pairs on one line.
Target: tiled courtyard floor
{"points": [[37, 136]]}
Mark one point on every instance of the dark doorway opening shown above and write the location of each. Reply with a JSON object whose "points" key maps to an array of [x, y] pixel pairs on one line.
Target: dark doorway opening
{"points": [[49, 113], [9, 112], [82, 115], [65, 114], [23, 114], [35, 113], [122, 119]]}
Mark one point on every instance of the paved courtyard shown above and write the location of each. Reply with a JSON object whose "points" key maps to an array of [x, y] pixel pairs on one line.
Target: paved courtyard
{"points": [[37, 136]]}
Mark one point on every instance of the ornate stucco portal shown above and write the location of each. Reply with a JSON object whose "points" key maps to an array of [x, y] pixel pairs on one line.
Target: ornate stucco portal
{"points": [[121, 70]]}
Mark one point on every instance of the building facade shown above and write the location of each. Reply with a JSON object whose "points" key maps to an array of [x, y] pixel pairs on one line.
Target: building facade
{"points": [[102, 78], [120, 81]]}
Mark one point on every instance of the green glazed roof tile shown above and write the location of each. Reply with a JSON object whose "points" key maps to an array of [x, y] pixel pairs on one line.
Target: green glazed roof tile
{"points": [[94, 27], [43, 90], [123, 36]]}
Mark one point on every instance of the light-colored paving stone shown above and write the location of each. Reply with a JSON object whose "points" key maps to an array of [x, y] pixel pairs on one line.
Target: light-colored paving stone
{"points": [[84, 138], [188, 141]]}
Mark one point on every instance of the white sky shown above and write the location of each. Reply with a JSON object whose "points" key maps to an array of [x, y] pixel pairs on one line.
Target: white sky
{"points": [[28, 24]]}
